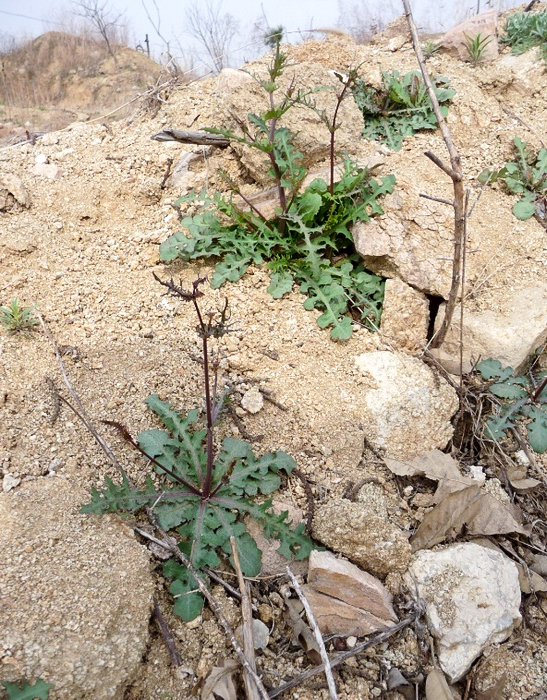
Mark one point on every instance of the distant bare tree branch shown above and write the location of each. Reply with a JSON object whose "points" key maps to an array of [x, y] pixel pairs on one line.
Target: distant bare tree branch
{"points": [[100, 15], [213, 30]]}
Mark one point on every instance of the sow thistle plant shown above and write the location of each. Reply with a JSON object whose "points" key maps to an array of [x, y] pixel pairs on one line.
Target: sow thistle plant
{"points": [[17, 319], [308, 241], [207, 492]]}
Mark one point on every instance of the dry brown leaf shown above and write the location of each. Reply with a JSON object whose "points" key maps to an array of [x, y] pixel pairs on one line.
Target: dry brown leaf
{"points": [[539, 564], [436, 687], [524, 485], [530, 582], [220, 683], [495, 691], [447, 518], [437, 466], [302, 634], [480, 512]]}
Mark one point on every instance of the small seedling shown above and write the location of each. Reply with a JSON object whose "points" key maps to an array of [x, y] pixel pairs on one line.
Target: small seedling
{"points": [[523, 397], [430, 48], [308, 241], [526, 176], [17, 319], [400, 106], [208, 492], [26, 691], [476, 47]]}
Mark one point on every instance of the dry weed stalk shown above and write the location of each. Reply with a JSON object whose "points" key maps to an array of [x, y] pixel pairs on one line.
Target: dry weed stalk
{"points": [[454, 171]]}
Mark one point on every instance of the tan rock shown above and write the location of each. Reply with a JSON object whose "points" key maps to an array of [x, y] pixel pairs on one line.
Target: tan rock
{"points": [[371, 541], [12, 185], [484, 24], [343, 580], [335, 617], [405, 316]]}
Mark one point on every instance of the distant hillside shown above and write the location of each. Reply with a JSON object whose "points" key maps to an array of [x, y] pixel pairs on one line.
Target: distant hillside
{"points": [[50, 81]]}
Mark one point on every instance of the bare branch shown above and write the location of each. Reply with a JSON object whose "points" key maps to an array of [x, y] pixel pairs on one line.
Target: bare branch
{"points": [[100, 15], [213, 30]]}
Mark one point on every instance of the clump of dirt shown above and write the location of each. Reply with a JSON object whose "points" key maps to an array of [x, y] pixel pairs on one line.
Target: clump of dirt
{"points": [[85, 252]]}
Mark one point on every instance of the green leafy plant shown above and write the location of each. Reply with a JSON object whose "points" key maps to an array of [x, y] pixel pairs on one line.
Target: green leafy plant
{"points": [[308, 241], [523, 398], [525, 30], [26, 691], [476, 47], [208, 492], [430, 48], [526, 176], [17, 319], [400, 106]]}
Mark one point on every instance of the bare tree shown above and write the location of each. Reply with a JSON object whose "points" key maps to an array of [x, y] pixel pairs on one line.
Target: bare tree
{"points": [[360, 22], [101, 16], [213, 30]]}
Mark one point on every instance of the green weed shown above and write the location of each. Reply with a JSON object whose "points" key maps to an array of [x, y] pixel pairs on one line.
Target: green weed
{"points": [[525, 30], [17, 319], [527, 176], [308, 242], [207, 492], [523, 398], [430, 48], [399, 107], [26, 691]]}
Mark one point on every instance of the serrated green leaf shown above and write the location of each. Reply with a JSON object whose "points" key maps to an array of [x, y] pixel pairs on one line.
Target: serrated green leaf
{"points": [[493, 369], [512, 388], [281, 283], [26, 691]]}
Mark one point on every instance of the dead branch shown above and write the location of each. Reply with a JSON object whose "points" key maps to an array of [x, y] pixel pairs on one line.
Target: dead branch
{"points": [[201, 138], [247, 623], [167, 635], [316, 633], [454, 172], [337, 660]]}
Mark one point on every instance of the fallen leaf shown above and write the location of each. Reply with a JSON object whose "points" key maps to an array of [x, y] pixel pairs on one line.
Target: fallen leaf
{"points": [[524, 485], [220, 683], [494, 692], [530, 581], [436, 687], [302, 634], [396, 681], [539, 564], [437, 466], [480, 512]]}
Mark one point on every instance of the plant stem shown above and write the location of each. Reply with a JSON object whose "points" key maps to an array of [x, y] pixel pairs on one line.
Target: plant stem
{"points": [[206, 488]]}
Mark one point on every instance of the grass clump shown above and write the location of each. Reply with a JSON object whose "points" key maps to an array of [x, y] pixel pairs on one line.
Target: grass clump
{"points": [[17, 319], [521, 397], [526, 176], [400, 106], [308, 240], [205, 492]]}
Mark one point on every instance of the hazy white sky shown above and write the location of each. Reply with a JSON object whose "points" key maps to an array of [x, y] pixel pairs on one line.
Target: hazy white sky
{"points": [[34, 17]]}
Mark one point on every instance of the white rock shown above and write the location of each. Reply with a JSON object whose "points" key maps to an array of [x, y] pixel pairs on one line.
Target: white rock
{"points": [[252, 400], [472, 597], [40, 159], [408, 407], [9, 482], [49, 170]]}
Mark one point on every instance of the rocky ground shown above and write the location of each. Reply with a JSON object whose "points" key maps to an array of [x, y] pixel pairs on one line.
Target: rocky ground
{"points": [[86, 208]]}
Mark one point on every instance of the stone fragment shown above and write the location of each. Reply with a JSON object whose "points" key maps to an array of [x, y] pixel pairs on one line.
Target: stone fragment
{"points": [[252, 400], [335, 617], [76, 593], [472, 597], [369, 540], [405, 316], [485, 24], [510, 334], [12, 188], [343, 580], [408, 407], [48, 170], [9, 482]]}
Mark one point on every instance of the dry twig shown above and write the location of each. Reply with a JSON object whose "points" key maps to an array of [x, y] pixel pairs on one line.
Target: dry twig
{"points": [[316, 633]]}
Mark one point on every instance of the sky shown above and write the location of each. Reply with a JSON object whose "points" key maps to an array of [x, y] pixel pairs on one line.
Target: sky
{"points": [[31, 18]]}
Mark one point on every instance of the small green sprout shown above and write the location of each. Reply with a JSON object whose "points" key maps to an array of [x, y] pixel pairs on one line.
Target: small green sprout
{"points": [[15, 318]]}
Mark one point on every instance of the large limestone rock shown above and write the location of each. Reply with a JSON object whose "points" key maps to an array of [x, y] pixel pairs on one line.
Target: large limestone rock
{"points": [[472, 597], [408, 407], [511, 333], [363, 536], [485, 24], [405, 316], [75, 593]]}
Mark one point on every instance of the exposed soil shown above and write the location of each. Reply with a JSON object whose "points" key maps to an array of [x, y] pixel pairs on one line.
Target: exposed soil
{"points": [[84, 253]]}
